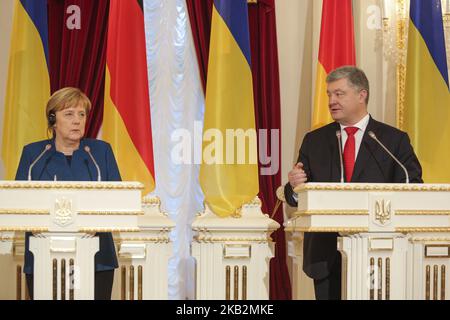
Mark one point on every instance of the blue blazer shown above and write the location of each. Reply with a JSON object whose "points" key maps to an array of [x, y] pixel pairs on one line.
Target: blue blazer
{"points": [[81, 168]]}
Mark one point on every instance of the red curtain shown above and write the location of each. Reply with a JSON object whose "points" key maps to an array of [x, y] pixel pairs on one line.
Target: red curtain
{"points": [[266, 90], [200, 14], [78, 56]]}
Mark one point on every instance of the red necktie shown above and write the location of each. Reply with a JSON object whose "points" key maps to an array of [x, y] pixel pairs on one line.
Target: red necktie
{"points": [[349, 153]]}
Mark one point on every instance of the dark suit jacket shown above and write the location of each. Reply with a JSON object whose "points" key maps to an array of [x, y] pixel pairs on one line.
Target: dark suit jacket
{"points": [[54, 163], [320, 157]]}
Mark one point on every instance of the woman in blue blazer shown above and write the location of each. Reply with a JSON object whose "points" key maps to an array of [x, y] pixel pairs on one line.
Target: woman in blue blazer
{"points": [[65, 158]]}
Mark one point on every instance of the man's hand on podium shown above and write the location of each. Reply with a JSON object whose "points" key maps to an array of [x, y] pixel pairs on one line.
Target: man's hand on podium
{"points": [[297, 175]]}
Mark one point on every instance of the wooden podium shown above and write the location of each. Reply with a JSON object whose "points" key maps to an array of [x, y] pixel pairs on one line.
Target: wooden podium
{"points": [[395, 238], [64, 217]]}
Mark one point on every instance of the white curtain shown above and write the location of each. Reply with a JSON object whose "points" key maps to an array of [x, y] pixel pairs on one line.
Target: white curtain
{"points": [[176, 102]]}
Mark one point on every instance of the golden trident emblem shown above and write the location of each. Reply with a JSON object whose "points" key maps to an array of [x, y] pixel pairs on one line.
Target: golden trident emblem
{"points": [[382, 211], [63, 212]]}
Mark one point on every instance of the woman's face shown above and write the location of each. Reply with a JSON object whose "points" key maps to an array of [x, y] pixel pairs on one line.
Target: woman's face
{"points": [[70, 123]]}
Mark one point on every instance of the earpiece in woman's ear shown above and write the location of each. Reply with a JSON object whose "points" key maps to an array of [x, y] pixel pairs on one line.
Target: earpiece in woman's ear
{"points": [[51, 119]]}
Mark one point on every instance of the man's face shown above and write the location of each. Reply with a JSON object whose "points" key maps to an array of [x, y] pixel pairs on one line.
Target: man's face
{"points": [[346, 103]]}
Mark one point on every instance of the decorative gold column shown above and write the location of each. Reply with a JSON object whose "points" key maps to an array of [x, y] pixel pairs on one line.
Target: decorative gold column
{"points": [[401, 63], [435, 282], [244, 283], [55, 279], [446, 22], [442, 282], [372, 279], [427, 283], [63, 279], [19, 283], [227, 283], [131, 284], [140, 272], [380, 279], [71, 278], [236, 283], [388, 279], [123, 288]]}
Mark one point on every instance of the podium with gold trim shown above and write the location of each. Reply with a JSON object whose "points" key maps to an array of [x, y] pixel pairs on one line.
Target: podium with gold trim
{"points": [[64, 217], [394, 238], [233, 254]]}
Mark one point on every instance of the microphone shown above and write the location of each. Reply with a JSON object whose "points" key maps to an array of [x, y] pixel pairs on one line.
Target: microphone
{"points": [[338, 136], [88, 150], [374, 137], [47, 147]]}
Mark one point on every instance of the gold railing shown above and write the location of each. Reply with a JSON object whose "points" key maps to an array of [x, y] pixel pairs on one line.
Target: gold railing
{"points": [[244, 283], [437, 294], [380, 278], [132, 279]]}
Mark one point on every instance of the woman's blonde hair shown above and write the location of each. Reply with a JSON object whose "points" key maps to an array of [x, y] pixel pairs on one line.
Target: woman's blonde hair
{"points": [[62, 99]]}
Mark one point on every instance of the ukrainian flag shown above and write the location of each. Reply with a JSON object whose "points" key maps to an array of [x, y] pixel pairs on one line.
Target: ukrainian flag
{"points": [[427, 104], [28, 86], [228, 182]]}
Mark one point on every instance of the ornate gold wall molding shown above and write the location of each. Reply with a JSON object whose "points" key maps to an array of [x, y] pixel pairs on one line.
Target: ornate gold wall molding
{"points": [[24, 212], [111, 213], [65, 185], [331, 213], [372, 187], [402, 46], [422, 212]]}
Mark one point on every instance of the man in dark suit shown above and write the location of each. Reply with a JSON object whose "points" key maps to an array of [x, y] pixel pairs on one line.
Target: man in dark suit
{"points": [[363, 161]]}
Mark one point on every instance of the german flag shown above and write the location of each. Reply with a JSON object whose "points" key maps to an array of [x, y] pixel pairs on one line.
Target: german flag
{"points": [[337, 49], [126, 119]]}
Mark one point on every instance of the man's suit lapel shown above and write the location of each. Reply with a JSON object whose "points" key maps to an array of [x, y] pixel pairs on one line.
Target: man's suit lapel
{"points": [[368, 145], [335, 170]]}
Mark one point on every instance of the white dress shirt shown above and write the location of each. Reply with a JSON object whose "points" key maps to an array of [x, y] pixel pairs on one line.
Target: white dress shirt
{"points": [[361, 125]]}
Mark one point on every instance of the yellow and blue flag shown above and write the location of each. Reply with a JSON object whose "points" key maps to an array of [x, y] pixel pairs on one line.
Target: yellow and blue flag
{"points": [[28, 85], [427, 100], [229, 171]]}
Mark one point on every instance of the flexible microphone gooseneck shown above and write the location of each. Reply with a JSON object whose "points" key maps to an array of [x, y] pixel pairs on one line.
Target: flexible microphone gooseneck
{"points": [[374, 137], [88, 150], [47, 147], [338, 136]]}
